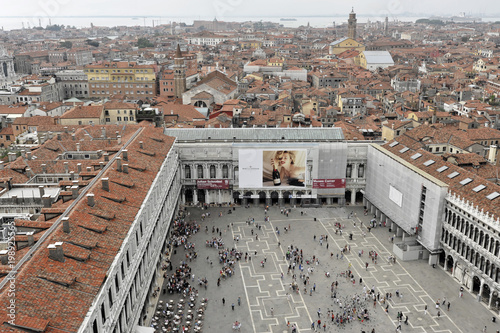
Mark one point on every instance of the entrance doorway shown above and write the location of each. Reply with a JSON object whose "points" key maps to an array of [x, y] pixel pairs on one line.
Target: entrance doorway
{"points": [[188, 194], [274, 198], [262, 198]]}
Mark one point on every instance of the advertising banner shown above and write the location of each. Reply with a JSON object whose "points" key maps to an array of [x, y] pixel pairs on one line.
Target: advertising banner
{"points": [[212, 184], [329, 183], [272, 168]]}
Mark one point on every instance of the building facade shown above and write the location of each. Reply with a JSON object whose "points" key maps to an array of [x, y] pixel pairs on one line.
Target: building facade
{"points": [[121, 78], [214, 166], [74, 83]]}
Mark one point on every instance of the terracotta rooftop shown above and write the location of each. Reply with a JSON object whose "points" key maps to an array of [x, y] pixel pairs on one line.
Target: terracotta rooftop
{"points": [[53, 296]]}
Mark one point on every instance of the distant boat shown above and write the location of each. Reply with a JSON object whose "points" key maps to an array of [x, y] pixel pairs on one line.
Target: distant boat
{"points": [[135, 18], [288, 19]]}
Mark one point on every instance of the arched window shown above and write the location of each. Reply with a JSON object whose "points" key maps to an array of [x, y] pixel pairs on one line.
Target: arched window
{"points": [[187, 171], [348, 171], [212, 171], [361, 171], [225, 171], [200, 171]]}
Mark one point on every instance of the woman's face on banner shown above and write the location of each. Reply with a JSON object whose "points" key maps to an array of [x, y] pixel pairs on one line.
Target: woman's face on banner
{"points": [[285, 160]]}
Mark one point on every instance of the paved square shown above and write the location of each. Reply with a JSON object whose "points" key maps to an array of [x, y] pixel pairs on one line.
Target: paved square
{"points": [[263, 288]]}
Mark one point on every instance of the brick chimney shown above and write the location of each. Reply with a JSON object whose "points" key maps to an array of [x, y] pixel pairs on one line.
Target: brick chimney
{"points": [[125, 168], [141, 144], [119, 164], [28, 155], [66, 167], [105, 184], [31, 239], [90, 200], [79, 167], [12, 157], [74, 191], [125, 154], [56, 251], [4, 257], [44, 168], [65, 221], [47, 201], [106, 157], [42, 190]]}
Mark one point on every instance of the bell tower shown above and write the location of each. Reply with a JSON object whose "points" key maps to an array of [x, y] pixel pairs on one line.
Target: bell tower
{"points": [[179, 73], [351, 25]]}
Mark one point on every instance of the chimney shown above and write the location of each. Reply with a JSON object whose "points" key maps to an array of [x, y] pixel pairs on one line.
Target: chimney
{"points": [[119, 164], [74, 191], [59, 136], [125, 168], [101, 164], [14, 198], [73, 137], [1, 165], [44, 168], [12, 157], [42, 190], [117, 133], [105, 184], [106, 157], [103, 132], [90, 200], [78, 146], [31, 239], [492, 154], [65, 221], [47, 201], [23, 153], [65, 129], [141, 144], [119, 139], [66, 167], [28, 155], [4, 257], [56, 252], [79, 168], [125, 154], [72, 175]]}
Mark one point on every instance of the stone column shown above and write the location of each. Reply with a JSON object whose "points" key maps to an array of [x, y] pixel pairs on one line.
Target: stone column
{"points": [[445, 261], [353, 196], [183, 197], [220, 197], [207, 196], [280, 198], [354, 170]]}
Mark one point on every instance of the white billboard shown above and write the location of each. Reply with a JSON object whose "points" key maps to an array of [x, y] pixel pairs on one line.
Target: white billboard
{"points": [[272, 168]]}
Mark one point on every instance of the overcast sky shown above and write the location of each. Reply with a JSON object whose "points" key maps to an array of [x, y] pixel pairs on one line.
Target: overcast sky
{"points": [[245, 8]]}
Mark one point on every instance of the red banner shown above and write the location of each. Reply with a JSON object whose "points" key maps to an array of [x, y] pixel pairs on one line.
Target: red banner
{"points": [[212, 184], [329, 183]]}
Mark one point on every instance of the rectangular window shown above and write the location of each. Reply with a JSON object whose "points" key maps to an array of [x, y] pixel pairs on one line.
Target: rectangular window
{"points": [[118, 118]]}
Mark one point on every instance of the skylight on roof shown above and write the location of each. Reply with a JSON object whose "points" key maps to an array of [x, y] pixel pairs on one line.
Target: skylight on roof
{"points": [[466, 181], [493, 195], [429, 162], [453, 174], [404, 150], [441, 169], [417, 155], [395, 143], [479, 188]]}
